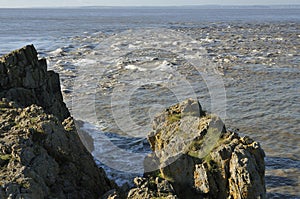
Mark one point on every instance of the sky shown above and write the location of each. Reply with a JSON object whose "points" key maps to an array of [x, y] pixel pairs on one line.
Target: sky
{"points": [[64, 3]]}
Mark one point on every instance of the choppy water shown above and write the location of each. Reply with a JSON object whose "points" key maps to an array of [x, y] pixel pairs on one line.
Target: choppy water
{"points": [[119, 67]]}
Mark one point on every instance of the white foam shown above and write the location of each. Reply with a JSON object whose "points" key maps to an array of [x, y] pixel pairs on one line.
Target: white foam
{"points": [[81, 62], [134, 67], [164, 66], [279, 39], [207, 40], [130, 46], [58, 51]]}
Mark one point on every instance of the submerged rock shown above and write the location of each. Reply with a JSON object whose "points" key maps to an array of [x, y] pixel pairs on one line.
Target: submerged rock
{"points": [[41, 154], [195, 153]]}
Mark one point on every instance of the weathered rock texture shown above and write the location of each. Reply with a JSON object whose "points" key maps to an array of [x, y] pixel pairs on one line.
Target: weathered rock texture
{"points": [[152, 188], [201, 159], [25, 79], [41, 154]]}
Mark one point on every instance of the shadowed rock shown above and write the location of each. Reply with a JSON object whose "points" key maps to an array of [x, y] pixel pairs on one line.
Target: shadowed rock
{"points": [[25, 79], [41, 154]]}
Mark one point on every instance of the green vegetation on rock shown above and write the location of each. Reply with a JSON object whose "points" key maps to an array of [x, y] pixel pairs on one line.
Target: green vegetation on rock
{"points": [[212, 165], [174, 117], [201, 159], [4, 160], [5, 157]]}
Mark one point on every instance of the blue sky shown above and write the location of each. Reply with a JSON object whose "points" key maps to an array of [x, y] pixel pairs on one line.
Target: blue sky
{"points": [[63, 3]]}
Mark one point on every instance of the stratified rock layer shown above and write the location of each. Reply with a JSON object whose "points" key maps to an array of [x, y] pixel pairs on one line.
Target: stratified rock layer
{"points": [[41, 154], [201, 159], [25, 79]]}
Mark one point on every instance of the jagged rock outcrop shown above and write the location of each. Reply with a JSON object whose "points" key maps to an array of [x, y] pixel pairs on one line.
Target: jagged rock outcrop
{"points": [[41, 154], [151, 188], [24, 79], [201, 159]]}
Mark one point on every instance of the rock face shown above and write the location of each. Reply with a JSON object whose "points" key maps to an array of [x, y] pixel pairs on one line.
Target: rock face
{"points": [[152, 188], [201, 159], [41, 154], [25, 79]]}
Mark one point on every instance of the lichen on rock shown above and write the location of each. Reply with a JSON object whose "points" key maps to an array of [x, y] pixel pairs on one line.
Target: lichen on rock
{"points": [[201, 159], [151, 188]]}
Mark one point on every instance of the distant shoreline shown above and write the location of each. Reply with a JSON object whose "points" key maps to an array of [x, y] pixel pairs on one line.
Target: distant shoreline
{"points": [[283, 6]]}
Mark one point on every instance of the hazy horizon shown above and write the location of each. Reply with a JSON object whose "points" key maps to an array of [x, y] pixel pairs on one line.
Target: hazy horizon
{"points": [[160, 6], [137, 3]]}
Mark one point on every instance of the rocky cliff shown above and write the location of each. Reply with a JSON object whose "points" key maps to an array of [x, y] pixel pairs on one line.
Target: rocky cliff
{"points": [[199, 158], [25, 80], [41, 154]]}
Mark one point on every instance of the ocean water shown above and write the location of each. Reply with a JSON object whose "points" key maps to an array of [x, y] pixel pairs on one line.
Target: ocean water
{"points": [[121, 66], [43, 26]]}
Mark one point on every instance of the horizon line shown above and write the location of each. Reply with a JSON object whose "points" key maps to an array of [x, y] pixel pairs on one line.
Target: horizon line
{"points": [[158, 6]]}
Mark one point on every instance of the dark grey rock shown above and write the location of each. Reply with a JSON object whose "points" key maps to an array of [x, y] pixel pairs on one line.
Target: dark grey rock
{"points": [[25, 80]]}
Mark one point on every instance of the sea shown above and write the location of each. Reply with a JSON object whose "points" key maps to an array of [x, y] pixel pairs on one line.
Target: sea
{"points": [[120, 66]]}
